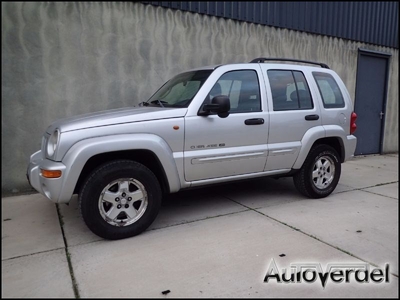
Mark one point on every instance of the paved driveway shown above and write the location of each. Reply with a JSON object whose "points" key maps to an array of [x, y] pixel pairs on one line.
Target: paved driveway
{"points": [[214, 242]]}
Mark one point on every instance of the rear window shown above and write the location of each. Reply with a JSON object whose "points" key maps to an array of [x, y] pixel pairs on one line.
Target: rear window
{"points": [[330, 92]]}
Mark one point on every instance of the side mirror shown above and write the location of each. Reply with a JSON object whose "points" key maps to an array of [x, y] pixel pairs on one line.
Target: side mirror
{"points": [[219, 105]]}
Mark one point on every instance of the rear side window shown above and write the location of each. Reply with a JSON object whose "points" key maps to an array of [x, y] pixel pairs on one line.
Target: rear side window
{"points": [[289, 90], [330, 92]]}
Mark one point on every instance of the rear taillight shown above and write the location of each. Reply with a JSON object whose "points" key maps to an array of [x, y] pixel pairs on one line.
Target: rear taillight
{"points": [[353, 125]]}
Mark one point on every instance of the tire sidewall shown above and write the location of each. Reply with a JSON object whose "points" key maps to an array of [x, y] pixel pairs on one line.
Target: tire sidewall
{"points": [[99, 179]]}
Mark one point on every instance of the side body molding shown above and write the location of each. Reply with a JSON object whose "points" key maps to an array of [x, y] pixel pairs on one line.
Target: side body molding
{"points": [[77, 156]]}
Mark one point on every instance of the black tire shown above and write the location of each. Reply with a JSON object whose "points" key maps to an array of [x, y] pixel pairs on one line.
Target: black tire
{"points": [[122, 179], [316, 185]]}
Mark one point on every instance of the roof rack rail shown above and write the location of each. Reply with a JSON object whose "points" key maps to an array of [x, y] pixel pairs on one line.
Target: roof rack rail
{"points": [[263, 59]]}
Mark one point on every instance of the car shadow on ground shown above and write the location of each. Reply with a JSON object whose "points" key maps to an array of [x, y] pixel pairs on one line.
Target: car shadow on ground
{"points": [[196, 204]]}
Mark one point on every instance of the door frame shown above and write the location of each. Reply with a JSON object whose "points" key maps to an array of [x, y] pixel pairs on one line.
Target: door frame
{"points": [[387, 57]]}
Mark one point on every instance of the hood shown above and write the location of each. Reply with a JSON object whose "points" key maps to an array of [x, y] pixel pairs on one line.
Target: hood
{"points": [[115, 116]]}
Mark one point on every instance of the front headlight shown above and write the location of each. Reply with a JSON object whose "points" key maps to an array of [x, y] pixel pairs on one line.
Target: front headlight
{"points": [[52, 143]]}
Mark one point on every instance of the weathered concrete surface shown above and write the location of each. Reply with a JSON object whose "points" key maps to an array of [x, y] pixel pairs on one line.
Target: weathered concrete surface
{"points": [[383, 163], [213, 242], [357, 173], [361, 223], [41, 275], [29, 225], [66, 58], [219, 257], [388, 190]]}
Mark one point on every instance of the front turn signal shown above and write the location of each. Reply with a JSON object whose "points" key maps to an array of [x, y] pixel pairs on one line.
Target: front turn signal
{"points": [[51, 173]]}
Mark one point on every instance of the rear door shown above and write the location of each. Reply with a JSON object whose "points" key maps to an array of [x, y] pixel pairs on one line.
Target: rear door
{"points": [[292, 113]]}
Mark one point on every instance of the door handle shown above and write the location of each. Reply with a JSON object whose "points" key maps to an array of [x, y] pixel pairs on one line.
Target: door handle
{"points": [[254, 121], [311, 117]]}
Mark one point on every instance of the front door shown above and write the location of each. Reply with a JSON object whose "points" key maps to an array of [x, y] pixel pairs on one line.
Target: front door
{"points": [[218, 147]]}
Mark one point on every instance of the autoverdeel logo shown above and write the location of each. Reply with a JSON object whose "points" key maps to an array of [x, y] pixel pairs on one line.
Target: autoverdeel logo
{"points": [[335, 272]]}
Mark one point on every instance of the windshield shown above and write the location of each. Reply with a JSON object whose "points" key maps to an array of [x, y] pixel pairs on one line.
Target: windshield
{"points": [[180, 90]]}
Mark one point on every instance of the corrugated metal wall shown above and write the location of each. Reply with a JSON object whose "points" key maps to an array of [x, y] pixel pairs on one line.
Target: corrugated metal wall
{"points": [[369, 22]]}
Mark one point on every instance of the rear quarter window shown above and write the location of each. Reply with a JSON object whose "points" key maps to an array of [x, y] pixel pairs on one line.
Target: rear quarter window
{"points": [[329, 89]]}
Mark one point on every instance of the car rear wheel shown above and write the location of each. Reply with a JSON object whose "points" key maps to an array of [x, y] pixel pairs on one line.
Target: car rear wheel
{"points": [[320, 172], [120, 199]]}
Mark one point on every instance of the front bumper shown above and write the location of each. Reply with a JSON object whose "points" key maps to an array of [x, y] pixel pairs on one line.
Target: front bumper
{"points": [[49, 187]]}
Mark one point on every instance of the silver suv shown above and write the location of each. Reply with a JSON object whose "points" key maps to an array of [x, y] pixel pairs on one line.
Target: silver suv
{"points": [[208, 125]]}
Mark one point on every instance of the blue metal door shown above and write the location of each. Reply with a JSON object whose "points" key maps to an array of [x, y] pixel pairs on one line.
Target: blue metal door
{"points": [[370, 101]]}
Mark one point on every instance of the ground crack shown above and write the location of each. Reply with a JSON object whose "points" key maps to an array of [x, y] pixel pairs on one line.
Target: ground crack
{"points": [[68, 255]]}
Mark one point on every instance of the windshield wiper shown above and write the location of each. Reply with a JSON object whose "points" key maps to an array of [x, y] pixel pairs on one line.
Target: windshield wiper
{"points": [[144, 104], [159, 102]]}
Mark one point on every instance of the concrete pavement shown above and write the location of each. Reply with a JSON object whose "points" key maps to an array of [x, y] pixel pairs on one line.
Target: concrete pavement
{"points": [[212, 242]]}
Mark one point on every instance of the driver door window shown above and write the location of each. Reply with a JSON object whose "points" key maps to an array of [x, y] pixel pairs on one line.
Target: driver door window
{"points": [[242, 88]]}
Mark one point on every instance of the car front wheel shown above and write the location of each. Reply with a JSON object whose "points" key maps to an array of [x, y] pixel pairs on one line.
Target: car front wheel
{"points": [[120, 199]]}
